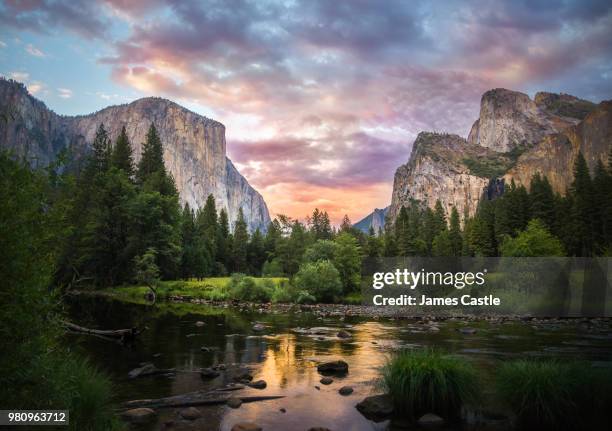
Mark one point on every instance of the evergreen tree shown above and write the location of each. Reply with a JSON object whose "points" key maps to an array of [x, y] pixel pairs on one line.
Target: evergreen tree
{"points": [[389, 242], [442, 245], [152, 160], [542, 200], [600, 223], [582, 208], [122, 157], [223, 244], [455, 234], [374, 246], [256, 253], [99, 161], [240, 244], [346, 225]]}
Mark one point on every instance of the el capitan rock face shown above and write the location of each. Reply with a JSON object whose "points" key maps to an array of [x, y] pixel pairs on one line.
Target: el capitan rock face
{"points": [[194, 146], [514, 138]]}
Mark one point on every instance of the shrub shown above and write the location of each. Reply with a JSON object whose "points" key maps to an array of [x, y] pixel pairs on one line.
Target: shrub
{"points": [[247, 289], [548, 395], [320, 280], [425, 381], [323, 249], [534, 241]]}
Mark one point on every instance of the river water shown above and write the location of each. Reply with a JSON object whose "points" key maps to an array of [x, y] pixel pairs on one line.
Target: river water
{"points": [[285, 355]]}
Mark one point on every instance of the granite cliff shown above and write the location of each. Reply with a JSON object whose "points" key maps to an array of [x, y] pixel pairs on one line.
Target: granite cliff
{"points": [[513, 138], [194, 146], [374, 220]]}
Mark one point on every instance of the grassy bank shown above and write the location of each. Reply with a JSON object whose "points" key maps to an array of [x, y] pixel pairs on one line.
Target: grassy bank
{"points": [[211, 288]]}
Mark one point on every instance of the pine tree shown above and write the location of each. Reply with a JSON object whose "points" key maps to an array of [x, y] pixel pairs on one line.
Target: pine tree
{"points": [[542, 200], [122, 157], [374, 246], [223, 244], [346, 225], [240, 243], [402, 232], [99, 161], [455, 233], [255, 252], [601, 182], [582, 208], [152, 160], [389, 241]]}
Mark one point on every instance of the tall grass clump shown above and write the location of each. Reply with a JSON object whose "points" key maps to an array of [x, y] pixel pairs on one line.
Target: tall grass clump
{"points": [[427, 381], [544, 395]]}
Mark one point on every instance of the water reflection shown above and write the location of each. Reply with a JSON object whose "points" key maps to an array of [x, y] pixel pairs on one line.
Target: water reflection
{"points": [[285, 356]]}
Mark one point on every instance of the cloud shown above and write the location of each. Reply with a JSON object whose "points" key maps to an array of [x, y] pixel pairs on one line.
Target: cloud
{"points": [[32, 50], [44, 16], [35, 87], [2, 44], [64, 93], [322, 100], [20, 76]]}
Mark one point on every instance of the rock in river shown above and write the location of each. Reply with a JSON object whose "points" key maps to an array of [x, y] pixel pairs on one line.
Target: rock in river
{"points": [[190, 413], [246, 426], [430, 420], [259, 384], [234, 402], [345, 390], [377, 407], [208, 373], [326, 381], [138, 416], [258, 327], [343, 334], [333, 367], [467, 331]]}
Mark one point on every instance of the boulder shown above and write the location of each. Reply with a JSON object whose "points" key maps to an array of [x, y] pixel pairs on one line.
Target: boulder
{"points": [[190, 413], [376, 407], [343, 334], [467, 331], [258, 327], [234, 402], [199, 323], [145, 369], [259, 384], [208, 373], [333, 367], [326, 381], [430, 420], [138, 416], [345, 390], [246, 426]]}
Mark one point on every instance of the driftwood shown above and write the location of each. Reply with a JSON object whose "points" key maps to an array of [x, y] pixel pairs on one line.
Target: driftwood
{"points": [[107, 333], [198, 398]]}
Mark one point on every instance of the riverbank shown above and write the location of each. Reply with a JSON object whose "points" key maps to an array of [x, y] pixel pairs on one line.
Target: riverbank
{"points": [[137, 295]]}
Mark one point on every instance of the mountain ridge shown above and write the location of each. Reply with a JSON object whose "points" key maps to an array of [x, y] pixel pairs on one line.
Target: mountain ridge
{"points": [[194, 145], [513, 138]]}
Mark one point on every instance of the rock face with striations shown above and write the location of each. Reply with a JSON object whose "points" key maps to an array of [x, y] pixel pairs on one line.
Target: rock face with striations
{"points": [[509, 119], [374, 220], [194, 146], [514, 138]]}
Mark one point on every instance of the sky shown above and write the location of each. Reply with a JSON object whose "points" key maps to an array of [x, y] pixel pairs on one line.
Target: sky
{"points": [[321, 100]]}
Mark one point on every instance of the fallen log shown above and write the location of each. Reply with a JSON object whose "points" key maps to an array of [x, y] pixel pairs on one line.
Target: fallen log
{"points": [[114, 333], [198, 398]]}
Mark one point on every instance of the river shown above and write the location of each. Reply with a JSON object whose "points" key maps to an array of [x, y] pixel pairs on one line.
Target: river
{"points": [[285, 355]]}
